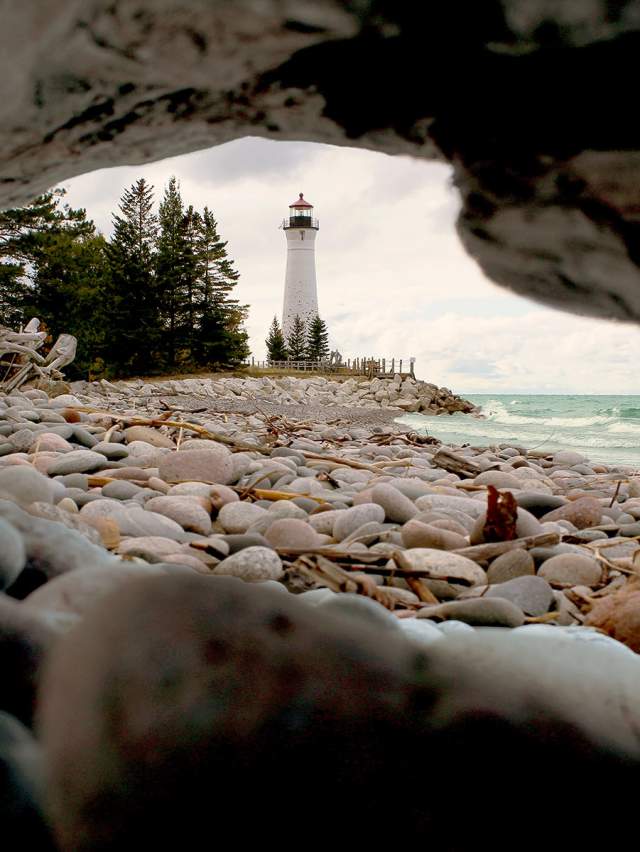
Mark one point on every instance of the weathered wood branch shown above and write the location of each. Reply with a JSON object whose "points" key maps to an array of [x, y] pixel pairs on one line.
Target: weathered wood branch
{"points": [[483, 552], [456, 463], [20, 362]]}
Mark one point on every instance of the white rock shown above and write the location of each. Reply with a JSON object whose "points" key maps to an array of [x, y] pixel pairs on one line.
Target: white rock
{"points": [[77, 461], [453, 626], [397, 507], [253, 564], [440, 565], [213, 466], [468, 505], [238, 517], [25, 485], [185, 510], [421, 630], [593, 688], [323, 522], [64, 400], [348, 520]]}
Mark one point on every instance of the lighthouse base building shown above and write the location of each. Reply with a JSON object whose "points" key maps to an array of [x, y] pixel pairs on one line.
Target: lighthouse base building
{"points": [[300, 289]]}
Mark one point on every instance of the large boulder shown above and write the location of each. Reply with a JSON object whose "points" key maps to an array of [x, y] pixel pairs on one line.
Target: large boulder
{"points": [[22, 788], [547, 163], [25, 637], [183, 698]]}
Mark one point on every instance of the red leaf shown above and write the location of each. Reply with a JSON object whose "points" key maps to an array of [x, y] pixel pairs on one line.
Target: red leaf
{"points": [[502, 516]]}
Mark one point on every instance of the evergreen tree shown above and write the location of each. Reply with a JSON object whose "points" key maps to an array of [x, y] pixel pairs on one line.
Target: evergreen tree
{"points": [[175, 265], [297, 340], [192, 226], [131, 298], [276, 346], [22, 228], [14, 289], [220, 336], [317, 340], [24, 234], [157, 294], [67, 295]]}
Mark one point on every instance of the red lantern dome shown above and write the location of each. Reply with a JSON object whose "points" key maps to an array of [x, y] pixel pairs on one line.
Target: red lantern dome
{"points": [[301, 204]]}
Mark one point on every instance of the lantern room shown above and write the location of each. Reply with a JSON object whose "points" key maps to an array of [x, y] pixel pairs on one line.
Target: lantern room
{"points": [[300, 215]]}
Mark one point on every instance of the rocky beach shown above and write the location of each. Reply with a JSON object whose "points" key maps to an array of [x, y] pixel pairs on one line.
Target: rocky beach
{"points": [[147, 512]]}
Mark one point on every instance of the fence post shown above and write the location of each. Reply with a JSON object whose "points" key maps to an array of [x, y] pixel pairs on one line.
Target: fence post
{"points": [[400, 370]]}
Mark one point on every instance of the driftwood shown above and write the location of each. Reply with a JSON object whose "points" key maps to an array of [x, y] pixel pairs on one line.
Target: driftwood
{"points": [[318, 569], [136, 420], [456, 463], [20, 361], [239, 446], [483, 552]]}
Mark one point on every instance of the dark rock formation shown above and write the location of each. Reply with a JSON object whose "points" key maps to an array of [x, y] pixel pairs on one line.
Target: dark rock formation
{"points": [[23, 825], [531, 101], [185, 708], [51, 549], [24, 639]]}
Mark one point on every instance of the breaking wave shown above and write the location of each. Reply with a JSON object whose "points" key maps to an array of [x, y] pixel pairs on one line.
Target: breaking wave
{"points": [[604, 428]]}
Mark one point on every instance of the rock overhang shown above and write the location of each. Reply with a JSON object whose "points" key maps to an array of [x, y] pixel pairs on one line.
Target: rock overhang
{"points": [[531, 103]]}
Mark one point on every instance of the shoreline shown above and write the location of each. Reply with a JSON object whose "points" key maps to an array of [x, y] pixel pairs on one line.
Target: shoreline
{"points": [[319, 506], [606, 431]]}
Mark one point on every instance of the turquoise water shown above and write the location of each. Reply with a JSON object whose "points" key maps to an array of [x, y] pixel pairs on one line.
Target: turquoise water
{"points": [[603, 428]]}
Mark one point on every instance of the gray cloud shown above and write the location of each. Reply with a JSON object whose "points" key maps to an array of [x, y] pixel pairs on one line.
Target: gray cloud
{"points": [[476, 367], [242, 159]]}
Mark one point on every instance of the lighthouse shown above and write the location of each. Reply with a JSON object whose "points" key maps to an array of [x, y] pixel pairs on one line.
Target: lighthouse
{"points": [[300, 292]]}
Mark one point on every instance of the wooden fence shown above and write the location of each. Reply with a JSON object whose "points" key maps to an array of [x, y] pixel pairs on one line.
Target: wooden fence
{"points": [[370, 367]]}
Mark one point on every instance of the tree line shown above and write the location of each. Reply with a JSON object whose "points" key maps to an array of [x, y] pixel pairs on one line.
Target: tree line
{"points": [[306, 341], [154, 298]]}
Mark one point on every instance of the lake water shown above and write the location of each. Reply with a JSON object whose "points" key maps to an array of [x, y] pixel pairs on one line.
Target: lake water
{"points": [[603, 428]]}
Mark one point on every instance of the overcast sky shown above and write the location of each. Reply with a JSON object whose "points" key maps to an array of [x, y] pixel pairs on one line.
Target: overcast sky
{"points": [[393, 279]]}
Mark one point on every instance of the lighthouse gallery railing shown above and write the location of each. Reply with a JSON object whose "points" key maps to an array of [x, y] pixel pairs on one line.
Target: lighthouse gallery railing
{"points": [[300, 222]]}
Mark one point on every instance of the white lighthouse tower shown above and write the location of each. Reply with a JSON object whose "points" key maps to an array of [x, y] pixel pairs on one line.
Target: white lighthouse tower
{"points": [[300, 293]]}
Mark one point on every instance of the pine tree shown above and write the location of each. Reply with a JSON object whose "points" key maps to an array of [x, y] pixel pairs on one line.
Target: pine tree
{"points": [[297, 340], [24, 234], [276, 346], [14, 290], [220, 336], [317, 340], [67, 295], [131, 298], [192, 226], [175, 266], [53, 267]]}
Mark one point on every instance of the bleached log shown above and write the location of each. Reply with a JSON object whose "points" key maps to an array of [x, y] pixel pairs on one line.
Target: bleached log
{"points": [[20, 362], [62, 352]]}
